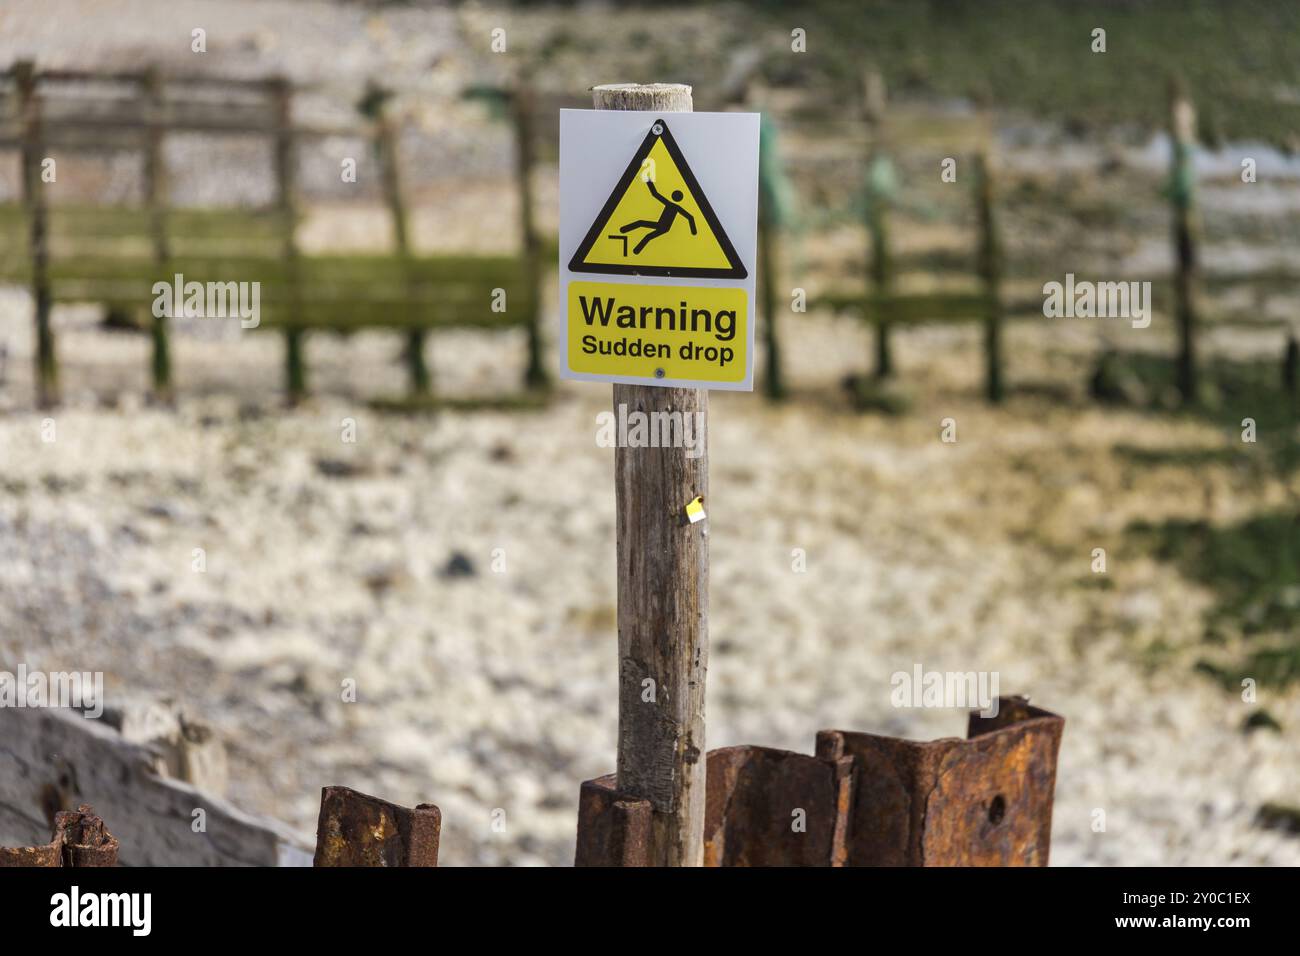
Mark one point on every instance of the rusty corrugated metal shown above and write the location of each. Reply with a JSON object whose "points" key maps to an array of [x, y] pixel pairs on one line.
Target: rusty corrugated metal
{"points": [[983, 801]]}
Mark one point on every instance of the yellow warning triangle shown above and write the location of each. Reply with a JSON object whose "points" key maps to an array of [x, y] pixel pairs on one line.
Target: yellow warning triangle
{"points": [[657, 221]]}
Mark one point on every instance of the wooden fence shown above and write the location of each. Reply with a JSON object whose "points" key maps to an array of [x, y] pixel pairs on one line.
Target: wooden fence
{"points": [[973, 284], [115, 254]]}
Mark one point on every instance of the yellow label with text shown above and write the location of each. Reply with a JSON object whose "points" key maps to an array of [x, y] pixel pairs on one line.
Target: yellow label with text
{"points": [[658, 331]]}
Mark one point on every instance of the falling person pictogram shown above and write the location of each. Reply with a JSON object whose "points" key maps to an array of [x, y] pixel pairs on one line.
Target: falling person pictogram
{"points": [[636, 213], [672, 208]]}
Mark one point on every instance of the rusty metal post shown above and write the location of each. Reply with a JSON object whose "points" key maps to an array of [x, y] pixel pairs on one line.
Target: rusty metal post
{"points": [[355, 829], [771, 807], [613, 827], [49, 855], [663, 603], [983, 801], [79, 839], [84, 838]]}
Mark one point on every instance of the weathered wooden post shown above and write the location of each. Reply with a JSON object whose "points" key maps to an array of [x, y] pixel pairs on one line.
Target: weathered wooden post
{"points": [[47, 369], [390, 174], [990, 270], [663, 580], [1291, 372], [771, 216], [294, 360], [522, 106], [1182, 191], [879, 190], [155, 188]]}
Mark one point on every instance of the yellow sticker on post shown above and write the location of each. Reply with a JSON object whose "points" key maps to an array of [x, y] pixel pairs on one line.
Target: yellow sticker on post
{"points": [[658, 238]]}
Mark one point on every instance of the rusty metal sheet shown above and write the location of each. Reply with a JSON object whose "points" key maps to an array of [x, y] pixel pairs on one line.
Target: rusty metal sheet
{"points": [[613, 827], [356, 829], [766, 807], [984, 801], [751, 797], [80, 839]]}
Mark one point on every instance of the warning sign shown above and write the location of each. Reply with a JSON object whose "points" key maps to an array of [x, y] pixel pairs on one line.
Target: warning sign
{"points": [[658, 221], [635, 332]]}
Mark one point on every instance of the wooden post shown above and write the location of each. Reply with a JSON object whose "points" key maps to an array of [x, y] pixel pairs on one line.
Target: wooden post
{"points": [[663, 574], [530, 244], [386, 149], [873, 95], [1182, 128], [294, 359], [47, 368], [990, 270], [155, 186], [1291, 372]]}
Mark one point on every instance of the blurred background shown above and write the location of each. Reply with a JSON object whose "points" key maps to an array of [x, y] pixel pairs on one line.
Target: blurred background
{"points": [[383, 493]]}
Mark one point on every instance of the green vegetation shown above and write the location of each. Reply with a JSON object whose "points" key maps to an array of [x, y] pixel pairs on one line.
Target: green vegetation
{"points": [[1253, 566], [1240, 59]]}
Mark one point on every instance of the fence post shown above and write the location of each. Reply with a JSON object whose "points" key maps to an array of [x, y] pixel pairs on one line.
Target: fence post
{"points": [[878, 172], [294, 359], [47, 368], [390, 173], [990, 270], [663, 571], [770, 219], [1182, 188], [155, 186], [1291, 372], [522, 104]]}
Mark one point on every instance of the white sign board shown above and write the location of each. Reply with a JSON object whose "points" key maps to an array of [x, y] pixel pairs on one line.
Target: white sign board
{"points": [[658, 242]]}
